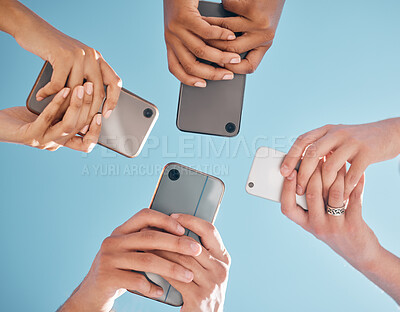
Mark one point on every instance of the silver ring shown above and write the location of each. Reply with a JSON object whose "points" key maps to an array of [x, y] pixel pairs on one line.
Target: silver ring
{"points": [[336, 211]]}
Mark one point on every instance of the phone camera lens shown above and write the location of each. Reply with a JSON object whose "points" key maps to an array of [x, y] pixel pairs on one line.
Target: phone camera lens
{"points": [[251, 184], [148, 112], [230, 127], [174, 174]]}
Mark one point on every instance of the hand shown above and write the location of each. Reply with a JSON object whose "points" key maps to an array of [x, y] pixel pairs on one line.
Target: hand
{"points": [[360, 145], [18, 125], [129, 249], [206, 293], [69, 58], [257, 20], [185, 35]]}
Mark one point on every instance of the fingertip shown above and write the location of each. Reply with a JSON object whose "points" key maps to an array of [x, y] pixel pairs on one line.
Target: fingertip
{"points": [[231, 37], [108, 114], [65, 92], [285, 171], [200, 84], [158, 292], [291, 176], [98, 119]]}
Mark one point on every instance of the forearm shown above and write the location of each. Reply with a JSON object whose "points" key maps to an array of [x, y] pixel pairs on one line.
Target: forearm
{"points": [[12, 16]]}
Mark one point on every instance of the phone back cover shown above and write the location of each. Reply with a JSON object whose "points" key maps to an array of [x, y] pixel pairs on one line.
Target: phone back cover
{"points": [[125, 131], [217, 108], [194, 193]]}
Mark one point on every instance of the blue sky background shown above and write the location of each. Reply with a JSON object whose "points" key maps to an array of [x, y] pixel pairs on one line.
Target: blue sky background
{"points": [[331, 62]]}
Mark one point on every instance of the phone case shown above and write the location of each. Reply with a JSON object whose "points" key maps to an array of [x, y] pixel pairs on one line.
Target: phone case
{"points": [[265, 179], [217, 108], [124, 132], [185, 190]]}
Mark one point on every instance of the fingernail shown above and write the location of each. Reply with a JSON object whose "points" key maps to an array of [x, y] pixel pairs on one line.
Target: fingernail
{"points": [[285, 170], [85, 129], [231, 37], [221, 65], [80, 92], [227, 77], [159, 292], [200, 84], [291, 176], [235, 60], [175, 216], [180, 229], [107, 114], [91, 147], [189, 275], [98, 119], [39, 98], [89, 88], [299, 190], [66, 92], [195, 247]]}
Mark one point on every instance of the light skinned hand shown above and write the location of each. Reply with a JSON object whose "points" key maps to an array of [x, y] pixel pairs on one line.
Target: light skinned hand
{"points": [[71, 60], [206, 293], [359, 145], [257, 20], [129, 248], [18, 125], [185, 34]]}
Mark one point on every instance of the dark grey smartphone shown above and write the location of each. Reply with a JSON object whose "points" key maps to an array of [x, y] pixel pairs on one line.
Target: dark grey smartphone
{"points": [[217, 108], [185, 190], [124, 132]]}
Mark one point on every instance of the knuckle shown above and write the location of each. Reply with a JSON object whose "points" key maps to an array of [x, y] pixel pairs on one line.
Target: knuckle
{"points": [[251, 68], [199, 51], [141, 284], [147, 260], [107, 243], [319, 231], [311, 195], [222, 272], [148, 235], [327, 168], [188, 68], [335, 195]]}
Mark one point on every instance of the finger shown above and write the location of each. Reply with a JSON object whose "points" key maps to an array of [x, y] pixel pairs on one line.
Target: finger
{"points": [[150, 218], [312, 156], [336, 191], [209, 235], [94, 75], [57, 82], [200, 276], [242, 44], [149, 262], [87, 103], [195, 68], [238, 7], [354, 209], [288, 201], [297, 149], [249, 64], [315, 201], [67, 125], [235, 24], [356, 170], [49, 114], [204, 30], [333, 164], [114, 85], [136, 282], [186, 290], [155, 240], [201, 50], [89, 140], [177, 70]]}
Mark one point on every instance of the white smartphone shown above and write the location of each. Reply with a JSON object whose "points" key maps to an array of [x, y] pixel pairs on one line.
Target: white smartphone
{"points": [[265, 179]]}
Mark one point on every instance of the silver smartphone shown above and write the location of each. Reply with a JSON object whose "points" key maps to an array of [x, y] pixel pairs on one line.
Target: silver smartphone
{"points": [[217, 108], [265, 179], [124, 132], [184, 190]]}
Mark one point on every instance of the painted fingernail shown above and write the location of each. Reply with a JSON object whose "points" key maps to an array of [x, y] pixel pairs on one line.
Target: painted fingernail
{"points": [[200, 84], [66, 92], [180, 229], [195, 247], [98, 119], [39, 98], [80, 92], [107, 114], [231, 37], [91, 147], [175, 216], [227, 77], [85, 129], [291, 176], [188, 275], [89, 88], [159, 292], [285, 170], [299, 190], [235, 60]]}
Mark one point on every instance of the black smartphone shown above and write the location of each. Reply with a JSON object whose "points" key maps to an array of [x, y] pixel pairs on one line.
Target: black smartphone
{"points": [[217, 108], [126, 130]]}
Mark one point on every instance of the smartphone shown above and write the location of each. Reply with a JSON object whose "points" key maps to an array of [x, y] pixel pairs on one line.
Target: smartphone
{"points": [[217, 108], [265, 179], [184, 190], [124, 132]]}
